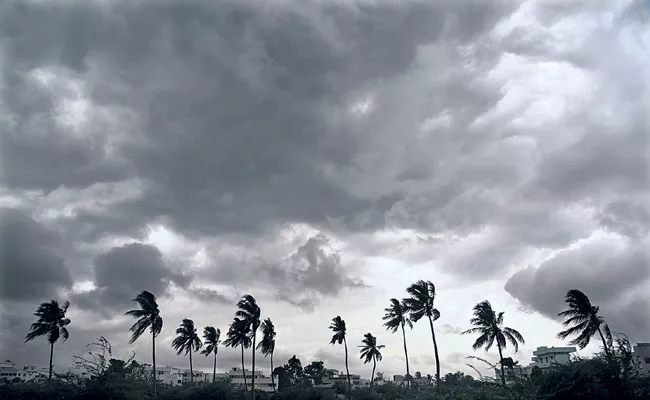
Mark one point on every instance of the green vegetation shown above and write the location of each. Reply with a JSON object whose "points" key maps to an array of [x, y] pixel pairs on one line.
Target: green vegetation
{"points": [[610, 375]]}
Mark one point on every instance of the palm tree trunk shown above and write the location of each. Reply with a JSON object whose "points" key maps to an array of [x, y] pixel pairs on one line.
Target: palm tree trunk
{"points": [[503, 372], [347, 369], [214, 367], [372, 376], [272, 378], [604, 342], [153, 359], [49, 376], [435, 351], [243, 371], [191, 370], [253, 368], [406, 355]]}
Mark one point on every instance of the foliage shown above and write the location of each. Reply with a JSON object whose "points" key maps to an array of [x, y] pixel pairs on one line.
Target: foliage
{"points": [[315, 372], [148, 316], [583, 321]]}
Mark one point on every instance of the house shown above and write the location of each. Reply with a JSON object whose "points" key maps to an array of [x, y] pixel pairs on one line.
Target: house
{"points": [[12, 372], [642, 355]]}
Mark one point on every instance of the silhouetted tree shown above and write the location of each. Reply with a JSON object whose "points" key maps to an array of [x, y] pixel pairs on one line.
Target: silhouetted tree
{"points": [[420, 303], [187, 341], [584, 321], [338, 327], [295, 371], [315, 372], [211, 340], [370, 352], [250, 312], [148, 317], [396, 317], [489, 325], [51, 321], [267, 344], [239, 335]]}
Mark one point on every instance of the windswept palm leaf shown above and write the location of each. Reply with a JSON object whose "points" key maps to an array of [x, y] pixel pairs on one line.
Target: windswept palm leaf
{"points": [[370, 352], [583, 321], [211, 340], [338, 328], [187, 341], [51, 321], [396, 317], [267, 344]]}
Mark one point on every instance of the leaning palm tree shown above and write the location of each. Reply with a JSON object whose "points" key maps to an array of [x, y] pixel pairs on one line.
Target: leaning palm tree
{"points": [[489, 325], [397, 317], [52, 322], [249, 312], [585, 321], [211, 341], [423, 293], [148, 316], [267, 344], [338, 327], [187, 341], [239, 335], [370, 352]]}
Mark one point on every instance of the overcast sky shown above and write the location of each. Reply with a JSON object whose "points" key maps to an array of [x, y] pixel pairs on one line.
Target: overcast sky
{"points": [[322, 156]]}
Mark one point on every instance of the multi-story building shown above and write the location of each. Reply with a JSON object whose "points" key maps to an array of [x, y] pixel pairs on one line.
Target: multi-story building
{"points": [[262, 382], [12, 372], [178, 376], [642, 354], [332, 376], [543, 357]]}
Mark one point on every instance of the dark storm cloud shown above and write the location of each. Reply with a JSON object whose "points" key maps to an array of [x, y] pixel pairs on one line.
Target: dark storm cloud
{"points": [[123, 272], [234, 106], [614, 273], [30, 268]]}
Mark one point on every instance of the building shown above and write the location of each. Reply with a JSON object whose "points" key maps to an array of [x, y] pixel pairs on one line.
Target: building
{"points": [[332, 376], [642, 354], [543, 357], [12, 372], [262, 382]]}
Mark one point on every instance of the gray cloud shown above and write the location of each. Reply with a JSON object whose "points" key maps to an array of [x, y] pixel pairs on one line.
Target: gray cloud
{"points": [[30, 268], [614, 273], [125, 271]]}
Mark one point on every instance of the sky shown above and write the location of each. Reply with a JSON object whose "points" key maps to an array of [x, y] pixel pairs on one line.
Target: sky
{"points": [[322, 156]]}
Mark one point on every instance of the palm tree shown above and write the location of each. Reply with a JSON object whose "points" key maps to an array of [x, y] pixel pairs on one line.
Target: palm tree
{"points": [[489, 325], [211, 341], [585, 320], [338, 327], [370, 352], [187, 341], [397, 317], [51, 321], [148, 318], [423, 293], [239, 335], [249, 312], [267, 344]]}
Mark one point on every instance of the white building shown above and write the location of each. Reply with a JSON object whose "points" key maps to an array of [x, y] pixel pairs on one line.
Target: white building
{"points": [[10, 372], [642, 354], [262, 382], [178, 376], [543, 357]]}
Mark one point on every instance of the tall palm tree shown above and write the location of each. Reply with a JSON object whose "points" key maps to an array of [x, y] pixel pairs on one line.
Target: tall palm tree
{"points": [[239, 335], [420, 304], [51, 321], [148, 317], [489, 325], [211, 341], [397, 317], [338, 327], [267, 344], [370, 352], [585, 321], [187, 341], [250, 312]]}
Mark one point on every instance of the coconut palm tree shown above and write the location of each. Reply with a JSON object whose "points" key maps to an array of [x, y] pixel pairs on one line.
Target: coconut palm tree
{"points": [[489, 325], [187, 341], [584, 320], [397, 317], [250, 312], [51, 321], [338, 327], [148, 317], [370, 352], [211, 341], [267, 344], [420, 304], [239, 335]]}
